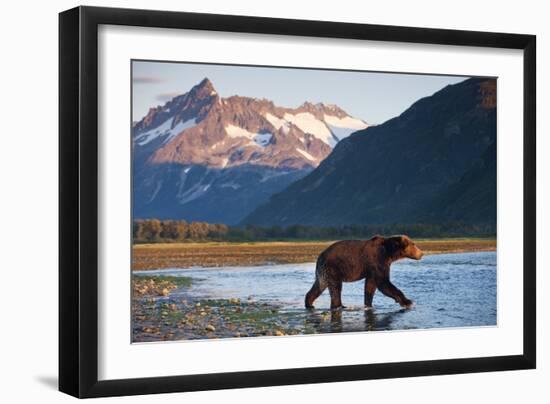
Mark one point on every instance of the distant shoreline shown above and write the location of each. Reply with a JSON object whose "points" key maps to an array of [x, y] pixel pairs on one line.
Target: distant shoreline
{"points": [[218, 254]]}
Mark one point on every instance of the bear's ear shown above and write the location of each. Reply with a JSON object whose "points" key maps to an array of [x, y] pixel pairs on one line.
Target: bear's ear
{"points": [[392, 245]]}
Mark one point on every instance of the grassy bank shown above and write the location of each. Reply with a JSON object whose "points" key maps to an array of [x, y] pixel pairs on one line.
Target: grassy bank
{"points": [[215, 254]]}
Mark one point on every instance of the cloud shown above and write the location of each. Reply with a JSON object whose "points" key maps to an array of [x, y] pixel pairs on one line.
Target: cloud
{"points": [[167, 96], [146, 79]]}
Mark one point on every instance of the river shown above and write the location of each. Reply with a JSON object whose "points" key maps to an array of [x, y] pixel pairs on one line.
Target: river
{"points": [[449, 290]]}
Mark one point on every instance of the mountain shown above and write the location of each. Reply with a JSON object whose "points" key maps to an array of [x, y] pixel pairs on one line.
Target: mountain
{"points": [[473, 199], [435, 162], [204, 157]]}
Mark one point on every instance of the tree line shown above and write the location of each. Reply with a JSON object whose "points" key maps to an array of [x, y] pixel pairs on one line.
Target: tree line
{"points": [[154, 230]]}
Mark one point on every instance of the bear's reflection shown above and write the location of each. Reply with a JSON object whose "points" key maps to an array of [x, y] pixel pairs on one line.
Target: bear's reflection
{"points": [[336, 324], [347, 320]]}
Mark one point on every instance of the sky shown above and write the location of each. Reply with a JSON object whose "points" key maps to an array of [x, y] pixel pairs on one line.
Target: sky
{"points": [[373, 97]]}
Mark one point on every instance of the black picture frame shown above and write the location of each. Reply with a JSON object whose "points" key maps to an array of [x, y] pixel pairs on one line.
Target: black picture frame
{"points": [[78, 200]]}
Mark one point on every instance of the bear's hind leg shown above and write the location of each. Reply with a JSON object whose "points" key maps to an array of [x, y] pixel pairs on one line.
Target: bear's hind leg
{"points": [[335, 290], [313, 294]]}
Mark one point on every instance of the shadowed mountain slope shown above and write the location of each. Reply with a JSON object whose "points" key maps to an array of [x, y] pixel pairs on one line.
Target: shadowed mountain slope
{"points": [[434, 162]]}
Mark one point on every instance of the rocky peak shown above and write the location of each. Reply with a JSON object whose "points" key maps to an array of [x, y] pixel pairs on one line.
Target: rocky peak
{"points": [[203, 90], [332, 109], [200, 127], [319, 109], [152, 119]]}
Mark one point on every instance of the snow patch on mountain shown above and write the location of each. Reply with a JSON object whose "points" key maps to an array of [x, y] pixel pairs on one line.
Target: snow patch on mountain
{"points": [[146, 137], [309, 124], [345, 122], [343, 127], [165, 130], [330, 130], [179, 128], [158, 186], [258, 139], [277, 122], [196, 191], [263, 139], [306, 154]]}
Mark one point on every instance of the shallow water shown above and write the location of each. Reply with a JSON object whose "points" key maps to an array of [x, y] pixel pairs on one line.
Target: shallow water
{"points": [[449, 290]]}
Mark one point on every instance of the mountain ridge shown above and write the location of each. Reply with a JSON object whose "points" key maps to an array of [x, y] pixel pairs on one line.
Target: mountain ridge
{"points": [[200, 127], [191, 153], [391, 173]]}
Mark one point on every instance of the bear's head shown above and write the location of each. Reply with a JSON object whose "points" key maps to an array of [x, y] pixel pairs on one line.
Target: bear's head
{"points": [[398, 247]]}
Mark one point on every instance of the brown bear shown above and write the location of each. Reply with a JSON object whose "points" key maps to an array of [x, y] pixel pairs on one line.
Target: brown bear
{"points": [[352, 260]]}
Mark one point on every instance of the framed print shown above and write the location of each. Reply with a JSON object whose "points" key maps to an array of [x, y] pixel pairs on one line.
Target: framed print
{"points": [[251, 201]]}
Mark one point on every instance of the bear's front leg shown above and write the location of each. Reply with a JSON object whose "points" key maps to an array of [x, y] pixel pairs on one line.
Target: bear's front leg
{"points": [[370, 288], [390, 290]]}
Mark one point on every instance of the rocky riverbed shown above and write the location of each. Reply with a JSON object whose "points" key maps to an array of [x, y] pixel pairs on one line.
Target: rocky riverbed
{"points": [[159, 314], [166, 312], [450, 290]]}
